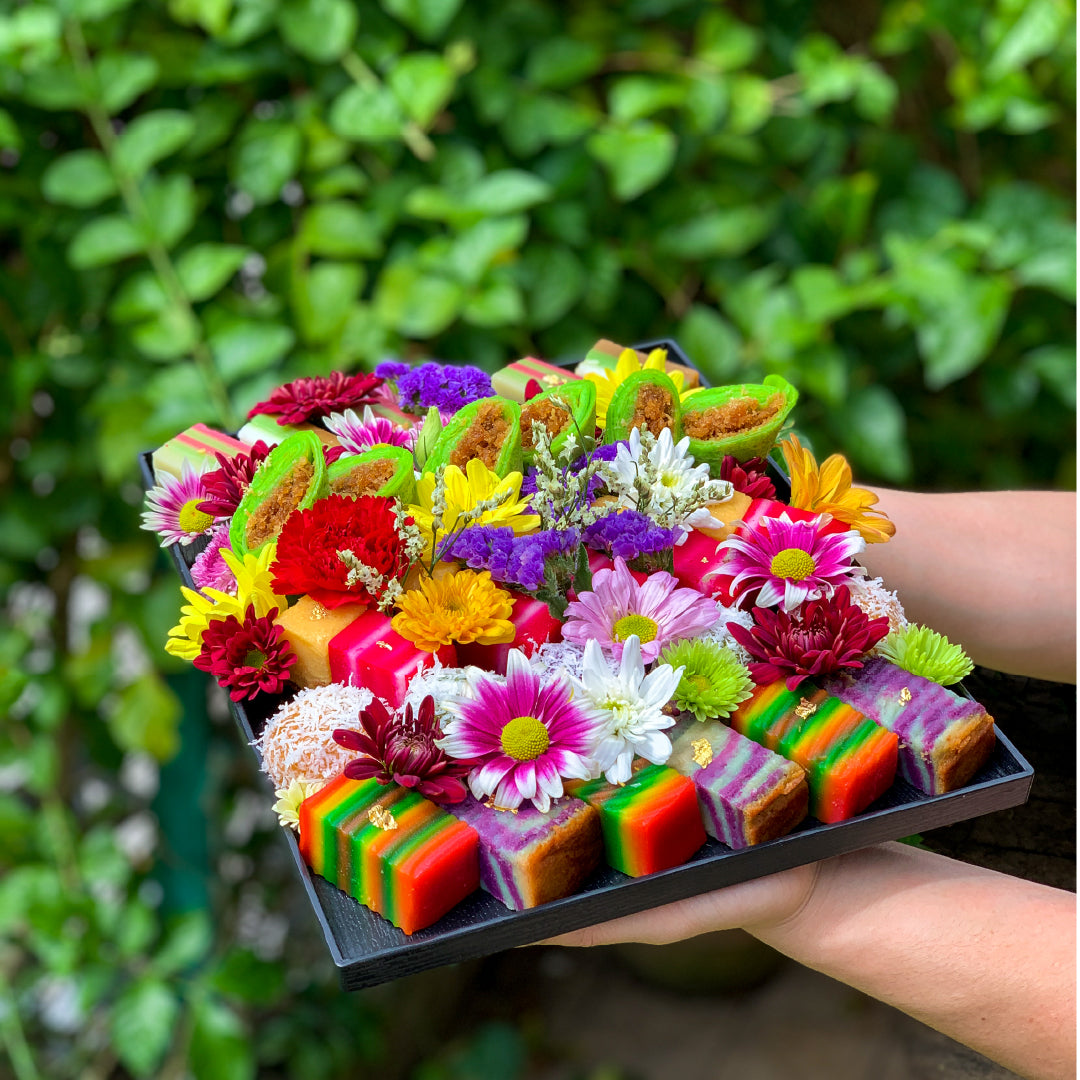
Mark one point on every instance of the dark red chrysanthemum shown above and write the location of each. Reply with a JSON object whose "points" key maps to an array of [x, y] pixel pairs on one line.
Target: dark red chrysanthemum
{"points": [[247, 658], [226, 485], [402, 749], [318, 396], [312, 543], [750, 477], [819, 638]]}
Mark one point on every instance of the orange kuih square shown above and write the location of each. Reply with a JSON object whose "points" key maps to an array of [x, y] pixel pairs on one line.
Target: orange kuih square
{"points": [[309, 628]]}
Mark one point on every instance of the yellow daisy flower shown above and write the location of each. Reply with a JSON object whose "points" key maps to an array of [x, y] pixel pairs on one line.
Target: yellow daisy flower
{"points": [[463, 491], [289, 799], [254, 586], [609, 380], [827, 489], [462, 607]]}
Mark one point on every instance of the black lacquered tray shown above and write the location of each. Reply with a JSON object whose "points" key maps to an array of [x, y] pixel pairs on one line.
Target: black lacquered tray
{"points": [[369, 950]]}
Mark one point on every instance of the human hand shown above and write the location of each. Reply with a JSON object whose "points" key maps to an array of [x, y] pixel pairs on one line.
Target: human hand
{"points": [[759, 906]]}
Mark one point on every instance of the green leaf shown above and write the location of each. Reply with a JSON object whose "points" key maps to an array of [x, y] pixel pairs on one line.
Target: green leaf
{"points": [[1056, 367], [244, 346], [82, 178], [211, 15], [241, 975], [496, 303], [189, 940], [143, 1021], [633, 97], [713, 343], [824, 295], [874, 427], [557, 62], [340, 229], [488, 241], [429, 436], [220, 1045], [422, 83], [1038, 30], [170, 206], [319, 30], [636, 157], [723, 42], [146, 717], [367, 114], [956, 335], [426, 18], [1053, 268], [751, 104], [168, 336], [556, 282], [92, 10], [123, 77], [104, 240], [416, 305], [10, 136], [267, 155], [719, 233], [507, 192], [140, 295], [323, 296], [205, 269], [538, 120], [151, 137]]}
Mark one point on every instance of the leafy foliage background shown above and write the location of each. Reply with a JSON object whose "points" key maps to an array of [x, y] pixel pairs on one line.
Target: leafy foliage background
{"points": [[202, 198]]}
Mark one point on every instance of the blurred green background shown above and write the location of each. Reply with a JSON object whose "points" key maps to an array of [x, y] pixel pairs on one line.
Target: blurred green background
{"points": [[200, 199]]}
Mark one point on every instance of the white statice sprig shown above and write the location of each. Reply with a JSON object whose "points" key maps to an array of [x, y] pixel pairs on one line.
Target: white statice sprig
{"points": [[657, 476], [562, 495], [627, 707]]}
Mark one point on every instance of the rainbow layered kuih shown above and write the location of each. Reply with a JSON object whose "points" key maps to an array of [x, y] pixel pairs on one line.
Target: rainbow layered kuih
{"points": [[368, 652], [944, 738], [196, 445], [747, 793], [513, 380], [850, 761], [528, 857], [650, 823], [391, 849]]}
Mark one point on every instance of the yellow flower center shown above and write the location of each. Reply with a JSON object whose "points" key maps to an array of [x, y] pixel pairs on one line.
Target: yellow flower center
{"points": [[525, 738], [191, 519], [699, 683], [642, 625], [792, 563]]}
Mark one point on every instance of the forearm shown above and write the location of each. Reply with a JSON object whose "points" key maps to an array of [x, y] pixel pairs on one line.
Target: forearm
{"points": [[993, 571], [986, 958]]}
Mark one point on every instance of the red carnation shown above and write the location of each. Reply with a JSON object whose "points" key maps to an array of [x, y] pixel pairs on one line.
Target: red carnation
{"points": [[318, 396], [819, 638], [247, 658], [313, 542], [227, 484], [402, 749], [749, 477]]}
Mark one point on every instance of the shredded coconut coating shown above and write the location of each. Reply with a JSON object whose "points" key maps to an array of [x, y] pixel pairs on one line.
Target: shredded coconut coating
{"points": [[559, 657], [876, 600], [297, 742], [447, 685], [719, 633]]}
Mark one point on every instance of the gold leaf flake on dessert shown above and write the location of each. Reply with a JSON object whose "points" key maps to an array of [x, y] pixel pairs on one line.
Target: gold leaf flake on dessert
{"points": [[703, 753], [491, 804], [905, 696], [318, 611], [805, 708], [385, 645], [553, 380], [381, 818]]}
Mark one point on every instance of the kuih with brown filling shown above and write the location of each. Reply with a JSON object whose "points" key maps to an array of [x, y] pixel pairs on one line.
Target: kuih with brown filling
{"points": [[547, 413], [484, 439], [732, 418], [367, 478], [268, 518], [653, 409]]}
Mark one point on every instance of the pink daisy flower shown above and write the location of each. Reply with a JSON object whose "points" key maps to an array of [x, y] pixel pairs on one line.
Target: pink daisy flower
{"points": [[790, 561], [209, 570], [358, 435], [172, 507], [618, 607], [524, 737]]}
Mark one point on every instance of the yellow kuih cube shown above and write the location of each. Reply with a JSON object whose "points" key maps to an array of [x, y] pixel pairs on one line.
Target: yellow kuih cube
{"points": [[309, 627]]}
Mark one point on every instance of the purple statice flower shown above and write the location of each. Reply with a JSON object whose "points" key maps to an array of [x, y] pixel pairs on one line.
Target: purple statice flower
{"points": [[629, 534], [513, 560], [209, 570], [449, 387], [391, 369], [602, 452]]}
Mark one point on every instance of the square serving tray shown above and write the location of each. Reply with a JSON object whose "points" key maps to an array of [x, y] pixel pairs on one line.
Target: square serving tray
{"points": [[369, 950]]}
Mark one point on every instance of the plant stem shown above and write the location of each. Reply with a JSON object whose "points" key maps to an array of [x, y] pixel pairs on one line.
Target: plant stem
{"points": [[156, 252], [13, 1039], [412, 134]]}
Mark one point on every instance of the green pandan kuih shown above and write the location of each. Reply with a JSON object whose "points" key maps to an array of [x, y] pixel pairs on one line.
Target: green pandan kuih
{"points": [[580, 396], [382, 470], [647, 399], [488, 429], [742, 420], [291, 478]]}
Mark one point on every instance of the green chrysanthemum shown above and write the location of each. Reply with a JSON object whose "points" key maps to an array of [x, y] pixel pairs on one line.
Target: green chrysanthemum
{"points": [[714, 681], [923, 651]]}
